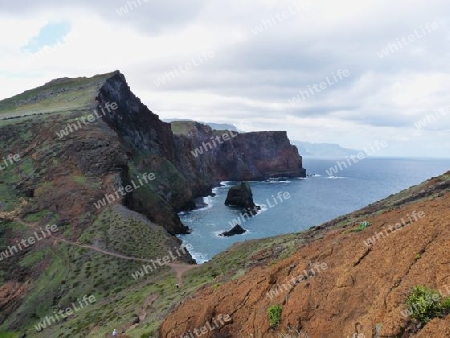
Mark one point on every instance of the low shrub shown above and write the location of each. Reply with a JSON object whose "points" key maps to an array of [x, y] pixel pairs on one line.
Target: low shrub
{"points": [[425, 304], [274, 313]]}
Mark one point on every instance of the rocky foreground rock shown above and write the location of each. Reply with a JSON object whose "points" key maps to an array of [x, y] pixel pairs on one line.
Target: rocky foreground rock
{"points": [[240, 195], [236, 230]]}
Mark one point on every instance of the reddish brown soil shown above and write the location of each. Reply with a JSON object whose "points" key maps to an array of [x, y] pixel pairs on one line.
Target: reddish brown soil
{"points": [[362, 291]]}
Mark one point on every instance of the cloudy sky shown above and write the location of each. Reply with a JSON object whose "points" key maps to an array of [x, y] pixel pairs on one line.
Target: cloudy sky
{"points": [[258, 64]]}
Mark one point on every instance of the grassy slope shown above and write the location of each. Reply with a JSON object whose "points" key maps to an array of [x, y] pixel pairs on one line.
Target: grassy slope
{"points": [[59, 273], [49, 98]]}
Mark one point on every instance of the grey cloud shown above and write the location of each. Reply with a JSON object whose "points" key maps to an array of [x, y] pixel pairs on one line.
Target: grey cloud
{"points": [[259, 71], [151, 16]]}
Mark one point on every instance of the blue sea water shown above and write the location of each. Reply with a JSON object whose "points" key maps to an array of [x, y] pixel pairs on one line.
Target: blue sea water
{"points": [[313, 200]]}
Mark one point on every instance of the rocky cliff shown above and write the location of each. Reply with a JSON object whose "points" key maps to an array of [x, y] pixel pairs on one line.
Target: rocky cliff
{"points": [[227, 155], [199, 156]]}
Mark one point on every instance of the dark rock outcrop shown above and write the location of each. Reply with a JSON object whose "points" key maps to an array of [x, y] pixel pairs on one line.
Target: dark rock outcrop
{"points": [[236, 230], [230, 156], [240, 196]]}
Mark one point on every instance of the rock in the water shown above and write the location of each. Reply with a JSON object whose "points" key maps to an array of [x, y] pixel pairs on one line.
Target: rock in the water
{"points": [[237, 230], [240, 196]]}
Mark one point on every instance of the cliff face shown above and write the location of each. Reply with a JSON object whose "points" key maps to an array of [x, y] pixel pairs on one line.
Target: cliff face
{"points": [[198, 156], [140, 128], [259, 155], [227, 155]]}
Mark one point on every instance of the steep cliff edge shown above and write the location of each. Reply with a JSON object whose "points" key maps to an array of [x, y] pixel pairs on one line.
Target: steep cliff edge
{"points": [[182, 171], [226, 155]]}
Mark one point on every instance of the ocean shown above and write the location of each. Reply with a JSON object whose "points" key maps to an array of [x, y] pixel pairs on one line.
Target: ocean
{"points": [[312, 200]]}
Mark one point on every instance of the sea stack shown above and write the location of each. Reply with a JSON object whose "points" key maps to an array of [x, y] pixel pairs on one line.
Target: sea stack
{"points": [[236, 230], [241, 196]]}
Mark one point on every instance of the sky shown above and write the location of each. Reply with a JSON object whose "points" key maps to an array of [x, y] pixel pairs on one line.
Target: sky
{"points": [[347, 72]]}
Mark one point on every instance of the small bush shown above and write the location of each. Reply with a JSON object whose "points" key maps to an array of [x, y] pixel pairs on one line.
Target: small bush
{"points": [[426, 304], [362, 226], [274, 313]]}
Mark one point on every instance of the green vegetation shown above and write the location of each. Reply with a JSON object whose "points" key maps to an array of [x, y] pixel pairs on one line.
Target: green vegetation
{"points": [[56, 96], [34, 257], [182, 127], [36, 217], [426, 304], [79, 179], [128, 236], [274, 313], [363, 225]]}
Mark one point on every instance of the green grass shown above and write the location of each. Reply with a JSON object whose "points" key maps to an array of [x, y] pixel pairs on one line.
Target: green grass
{"points": [[9, 335], [363, 225], [274, 313], [38, 216], [80, 180], [34, 257], [127, 236], [49, 98], [26, 166], [8, 198], [182, 127]]}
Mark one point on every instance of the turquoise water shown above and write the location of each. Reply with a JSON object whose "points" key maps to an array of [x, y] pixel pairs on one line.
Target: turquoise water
{"points": [[312, 200]]}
